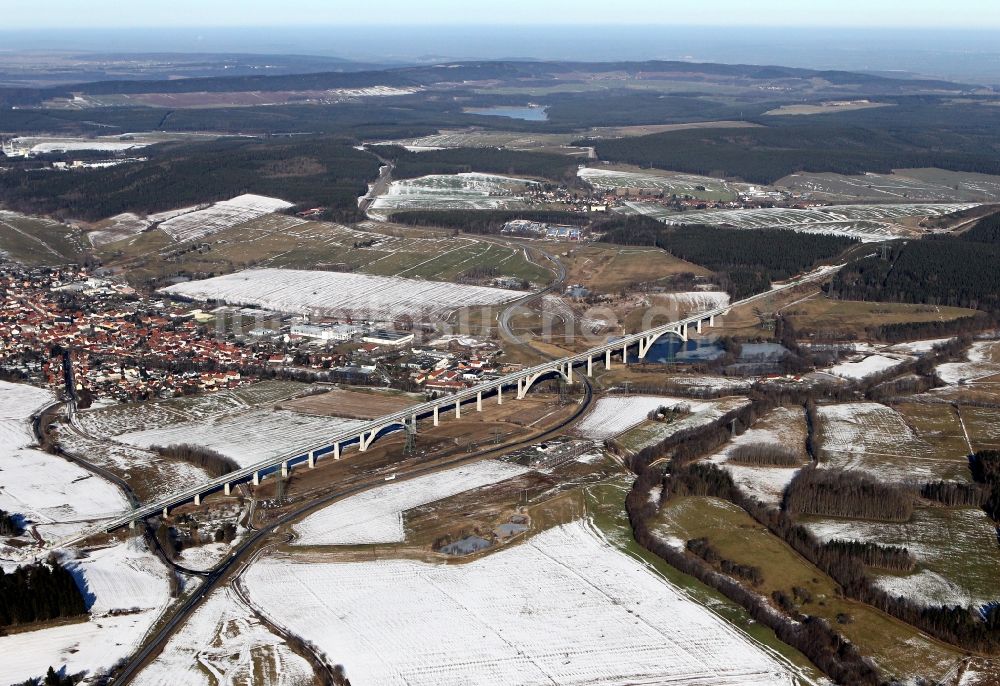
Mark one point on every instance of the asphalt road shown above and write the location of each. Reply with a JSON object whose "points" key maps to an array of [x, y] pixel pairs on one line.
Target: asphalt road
{"points": [[246, 548]]}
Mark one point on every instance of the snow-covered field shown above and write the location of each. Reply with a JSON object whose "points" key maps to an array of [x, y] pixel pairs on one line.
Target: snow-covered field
{"points": [[930, 185], [57, 495], [45, 144], [878, 439], [956, 552], [918, 347], [118, 419], [118, 227], [681, 184], [126, 589], [247, 437], [224, 644], [867, 222], [198, 223], [616, 414], [376, 515], [784, 427], [869, 366], [703, 412], [563, 607], [982, 362], [467, 191], [692, 302], [379, 298]]}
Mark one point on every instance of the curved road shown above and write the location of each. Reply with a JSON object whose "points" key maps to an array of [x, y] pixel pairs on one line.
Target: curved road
{"points": [[248, 546]]}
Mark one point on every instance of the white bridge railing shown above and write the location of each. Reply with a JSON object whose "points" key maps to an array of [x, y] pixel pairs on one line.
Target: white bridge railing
{"points": [[366, 434]]}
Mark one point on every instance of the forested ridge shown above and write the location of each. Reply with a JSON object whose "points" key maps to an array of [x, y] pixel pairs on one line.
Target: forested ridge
{"points": [[910, 133], [958, 271], [37, 593], [324, 172], [748, 260]]}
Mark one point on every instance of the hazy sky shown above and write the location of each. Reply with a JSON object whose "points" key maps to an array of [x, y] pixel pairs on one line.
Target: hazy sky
{"points": [[40, 14]]}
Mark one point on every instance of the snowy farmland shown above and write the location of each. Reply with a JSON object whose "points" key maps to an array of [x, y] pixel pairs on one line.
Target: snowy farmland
{"points": [[126, 589], [248, 437], [929, 185], [981, 362], [616, 414], [224, 643], [467, 191], [702, 412], [42, 145], [783, 427], [956, 552], [117, 228], [563, 607], [656, 182], [192, 223], [376, 515], [692, 302], [883, 442], [364, 297], [868, 367], [867, 222], [57, 496]]}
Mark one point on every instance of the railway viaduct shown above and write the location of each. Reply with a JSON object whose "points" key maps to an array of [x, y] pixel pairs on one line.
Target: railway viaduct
{"points": [[512, 386]]}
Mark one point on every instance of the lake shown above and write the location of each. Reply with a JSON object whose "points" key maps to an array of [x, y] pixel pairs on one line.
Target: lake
{"points": [[527, 113]]}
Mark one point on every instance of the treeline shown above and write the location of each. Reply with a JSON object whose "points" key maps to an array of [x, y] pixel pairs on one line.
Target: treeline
{"points": [[948, 272], [710, 554], [812, 636], [840, 493], [908, 135], [747, 260], [52, 678], [963, 627], [409, 165], [484, 221], [955, 493], [313, 172], [38, 593], [765, 455], [910, 331], [985, 466], [9, 525], [213, 462], [890, 557]]}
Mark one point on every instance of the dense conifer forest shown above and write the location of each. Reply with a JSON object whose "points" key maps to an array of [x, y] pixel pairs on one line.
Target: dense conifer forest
{"points": [[747, 260], [315, 172], [37, 593], [959, 271]]}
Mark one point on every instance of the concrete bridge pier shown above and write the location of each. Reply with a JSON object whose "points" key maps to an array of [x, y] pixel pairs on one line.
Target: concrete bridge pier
{"points": [[256, 478], [499, 395], [197, 499], [336, 451], [479, 401], [607, 359], [590, 365], [166, 512], [569, 372], [311, 459], [711, 320], [458, 408], [227, 489], [437, 421], [284, 470]]}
